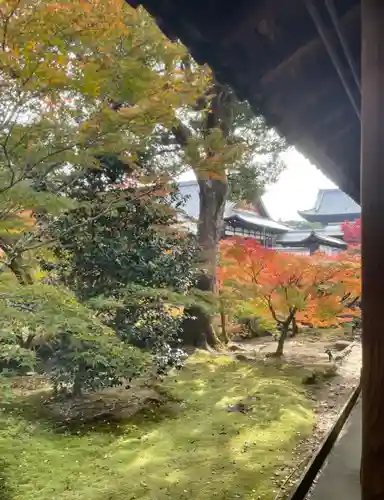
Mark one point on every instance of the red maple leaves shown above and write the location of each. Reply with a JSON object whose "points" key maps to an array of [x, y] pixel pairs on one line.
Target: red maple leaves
{"points": [[316, 290], [352, 231]]}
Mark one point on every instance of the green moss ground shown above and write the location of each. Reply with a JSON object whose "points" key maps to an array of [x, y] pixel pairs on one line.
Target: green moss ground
{"points": [[199, 450]]}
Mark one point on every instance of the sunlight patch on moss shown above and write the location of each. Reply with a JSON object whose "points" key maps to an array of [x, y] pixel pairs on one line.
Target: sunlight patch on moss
{"points": [[202, 451]]}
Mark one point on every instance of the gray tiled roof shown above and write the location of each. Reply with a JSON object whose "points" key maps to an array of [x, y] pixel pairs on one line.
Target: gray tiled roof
{"points": [[191, 209], [255, 220], [333, 201], [296, 237]]}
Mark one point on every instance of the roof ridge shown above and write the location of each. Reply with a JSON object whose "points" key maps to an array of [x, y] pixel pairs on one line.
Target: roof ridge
{"points": [[251, 212], [331, 189], [319, 200]]}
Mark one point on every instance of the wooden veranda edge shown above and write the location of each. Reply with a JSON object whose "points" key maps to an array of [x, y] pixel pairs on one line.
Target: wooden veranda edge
{"points": [[306, 479]]}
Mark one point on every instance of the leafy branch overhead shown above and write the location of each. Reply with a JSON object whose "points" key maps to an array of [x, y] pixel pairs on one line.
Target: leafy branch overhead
{"points": [[63, 68], [99, 115], [83, 103]]}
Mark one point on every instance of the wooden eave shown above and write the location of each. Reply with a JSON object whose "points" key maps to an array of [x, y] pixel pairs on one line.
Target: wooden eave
{"points": [[271, 53]]}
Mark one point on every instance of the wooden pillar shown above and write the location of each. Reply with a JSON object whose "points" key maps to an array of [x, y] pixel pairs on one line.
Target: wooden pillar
{"points": [[372, 163]]}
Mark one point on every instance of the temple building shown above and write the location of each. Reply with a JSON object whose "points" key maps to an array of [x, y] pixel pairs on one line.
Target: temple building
{"points": [[308, 242], [250, 223], [254, 221], [332, 208], [240, 219]]}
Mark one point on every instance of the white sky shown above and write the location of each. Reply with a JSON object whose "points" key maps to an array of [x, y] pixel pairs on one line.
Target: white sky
{"points": [[295, 190]]}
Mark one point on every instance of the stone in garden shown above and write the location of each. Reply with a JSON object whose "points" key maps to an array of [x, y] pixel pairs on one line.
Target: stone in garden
{"points": [[339, 345]]}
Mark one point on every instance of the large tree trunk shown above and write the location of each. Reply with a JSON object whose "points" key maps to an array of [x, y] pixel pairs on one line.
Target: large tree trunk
{"points": [[213, 194], [197, 327]]}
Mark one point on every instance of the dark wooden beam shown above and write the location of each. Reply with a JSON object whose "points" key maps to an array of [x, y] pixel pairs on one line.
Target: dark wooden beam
{"points": [[300, 103], [316, 120], [348, 158], [334, 124], [340, 133], [266, 48], [338, 173], [372, 465], [258, 16], [306, 97], [292, 64]]}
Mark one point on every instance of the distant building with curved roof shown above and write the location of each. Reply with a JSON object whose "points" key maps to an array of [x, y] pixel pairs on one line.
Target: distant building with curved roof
{"points": [[254, 221], [332, 206]]}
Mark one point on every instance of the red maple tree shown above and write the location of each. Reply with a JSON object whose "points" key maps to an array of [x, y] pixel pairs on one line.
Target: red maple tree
{"points": [[317, 290]]}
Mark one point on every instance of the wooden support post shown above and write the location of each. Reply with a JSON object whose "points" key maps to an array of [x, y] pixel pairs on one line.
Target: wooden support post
{"points": [[372, 163]]}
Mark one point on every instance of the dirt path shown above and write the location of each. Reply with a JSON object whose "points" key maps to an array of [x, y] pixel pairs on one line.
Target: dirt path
{"points": [[329, 397], [334, 394]]}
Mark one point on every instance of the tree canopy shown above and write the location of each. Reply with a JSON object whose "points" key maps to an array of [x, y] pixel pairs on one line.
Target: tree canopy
{"points": [[99, 114], [316, 290], [79, 80]]}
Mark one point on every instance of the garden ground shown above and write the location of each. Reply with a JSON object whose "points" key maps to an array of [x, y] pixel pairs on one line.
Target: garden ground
{"points": [[230, 429]]}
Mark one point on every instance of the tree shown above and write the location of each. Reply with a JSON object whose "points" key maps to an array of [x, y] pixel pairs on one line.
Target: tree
{"points": [[231, 153], [44, 329], [78, 80], [81, 82], [130, 263], [230, 298], [352, 231], [315, 289], [87, 87]]}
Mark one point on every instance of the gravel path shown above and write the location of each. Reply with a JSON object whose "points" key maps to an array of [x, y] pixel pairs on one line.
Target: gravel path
{"points": [[328, 398]]}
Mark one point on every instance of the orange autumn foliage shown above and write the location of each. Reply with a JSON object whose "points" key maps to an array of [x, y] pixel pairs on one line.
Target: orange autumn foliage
{"points": [[318, 290]]}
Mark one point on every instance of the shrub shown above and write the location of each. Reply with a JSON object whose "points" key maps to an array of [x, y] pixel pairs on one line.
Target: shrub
{"points": [[124, 262], [254, 321], [46, 329], [142, 317], [292, 288], [15, 359]]}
